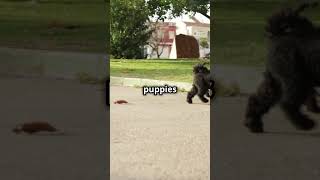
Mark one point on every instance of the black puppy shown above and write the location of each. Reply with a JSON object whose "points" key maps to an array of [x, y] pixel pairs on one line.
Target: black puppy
{"points": [[292, 70], [202, 85], [107, 91]]}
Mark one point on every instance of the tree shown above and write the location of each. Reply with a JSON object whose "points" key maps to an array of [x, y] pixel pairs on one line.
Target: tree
{"points": [[130, 19], [199, 6], [156, 40], [129, 29], [159, 8], [204, 42], [178, 7]]}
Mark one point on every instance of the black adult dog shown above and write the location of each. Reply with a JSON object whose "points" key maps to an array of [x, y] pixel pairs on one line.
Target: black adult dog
{"points": [[292, 70], [203, 84]]}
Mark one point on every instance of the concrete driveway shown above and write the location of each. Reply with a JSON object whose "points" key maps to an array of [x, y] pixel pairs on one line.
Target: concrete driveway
{"points": [[77, 109], [158, 137], [283, 153]]}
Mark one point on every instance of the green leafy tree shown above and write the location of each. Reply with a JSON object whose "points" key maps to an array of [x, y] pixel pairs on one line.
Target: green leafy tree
{"points": [[129, 28], [178, 7], [130, 19], [204, 42]]}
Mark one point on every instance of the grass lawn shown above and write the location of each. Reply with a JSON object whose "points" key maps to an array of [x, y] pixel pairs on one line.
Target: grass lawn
{"points": [[238, 31], [170, 70], [76, 25]]}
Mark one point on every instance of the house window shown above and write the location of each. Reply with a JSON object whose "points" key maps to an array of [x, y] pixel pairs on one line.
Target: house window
{"points": [[160, 34], [171, 34]]}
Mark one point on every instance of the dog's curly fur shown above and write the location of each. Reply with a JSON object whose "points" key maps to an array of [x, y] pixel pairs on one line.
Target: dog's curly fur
{"points": [[292, 70], [203, 84]]}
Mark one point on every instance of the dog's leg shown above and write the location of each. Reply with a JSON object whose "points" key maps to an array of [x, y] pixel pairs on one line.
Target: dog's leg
{"points": [[295, 95], [311, 102], [191, 94], [208, 94], [267, 95], [107, 92], [211, 91], [201, 93]]}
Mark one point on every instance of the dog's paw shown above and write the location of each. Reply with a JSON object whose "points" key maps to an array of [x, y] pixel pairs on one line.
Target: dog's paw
{"points": [[255, 129], [204, 100], [314, 108], [254, 126], [306, 125], [211, 94], [189, 101]]}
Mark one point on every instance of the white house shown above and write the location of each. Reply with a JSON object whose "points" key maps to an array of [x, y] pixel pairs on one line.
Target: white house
{"points": [[197, 26], [160, 43]]}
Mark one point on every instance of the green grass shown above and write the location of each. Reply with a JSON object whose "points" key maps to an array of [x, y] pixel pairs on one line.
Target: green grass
{"points": [[43, 25], [238, 31], [170, 70]]}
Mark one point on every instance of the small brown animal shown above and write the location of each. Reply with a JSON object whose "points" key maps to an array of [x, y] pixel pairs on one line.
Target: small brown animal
{"points": [[34, 127], [120, 102]]}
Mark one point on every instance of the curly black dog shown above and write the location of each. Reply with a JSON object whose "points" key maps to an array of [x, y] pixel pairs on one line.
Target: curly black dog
{"points": [[107, 91], [292, 70], [202, 85]]}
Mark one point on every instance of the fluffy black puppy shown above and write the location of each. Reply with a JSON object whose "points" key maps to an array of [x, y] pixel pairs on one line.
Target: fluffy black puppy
{"points": [[292, 70], [202, 85], [107, 91]]}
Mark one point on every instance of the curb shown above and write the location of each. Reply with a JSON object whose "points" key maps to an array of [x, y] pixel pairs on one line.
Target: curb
{"points": [[134, 82]]}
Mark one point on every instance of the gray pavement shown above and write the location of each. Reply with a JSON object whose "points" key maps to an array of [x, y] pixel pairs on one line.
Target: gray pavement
{"points": [[247, 78], [158, 137], [283, 153], [77, 109]]}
